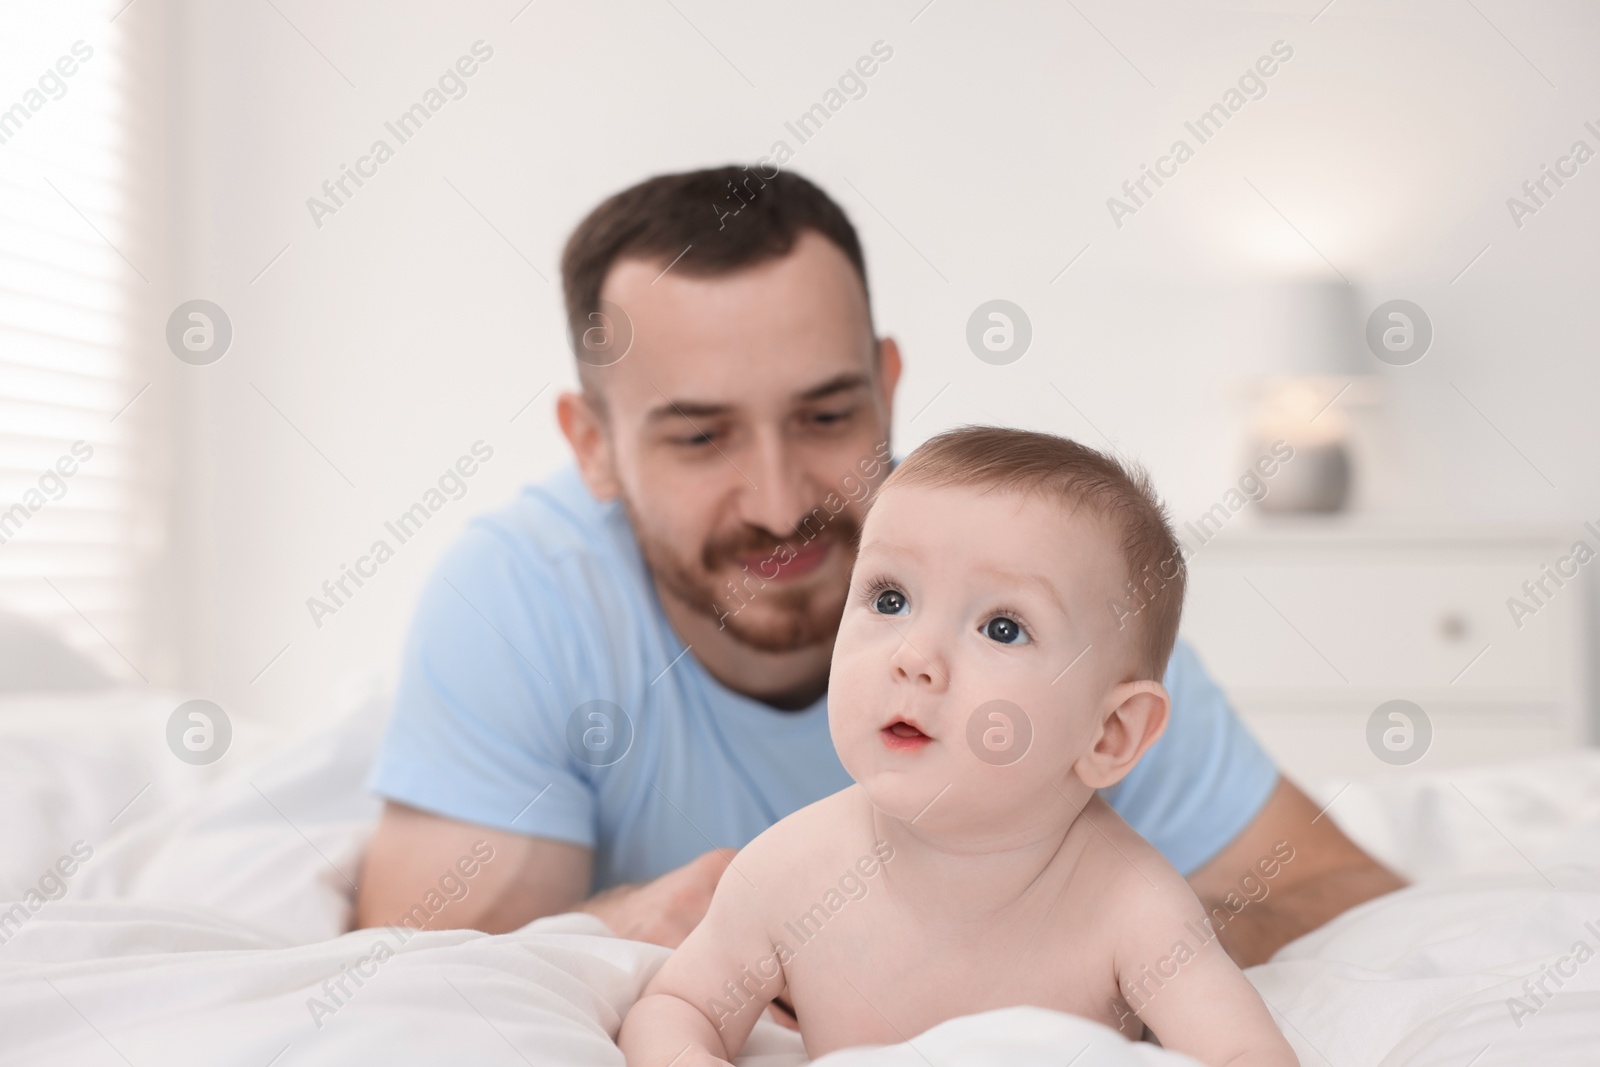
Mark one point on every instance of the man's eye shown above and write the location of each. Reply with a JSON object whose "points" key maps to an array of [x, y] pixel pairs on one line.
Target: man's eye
{"points": [[828, 418], [890, 602], [697, 440], [1004, 630]]}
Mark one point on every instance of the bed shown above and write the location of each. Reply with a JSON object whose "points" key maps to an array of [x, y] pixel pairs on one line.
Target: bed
{"points": [[204, 921]]}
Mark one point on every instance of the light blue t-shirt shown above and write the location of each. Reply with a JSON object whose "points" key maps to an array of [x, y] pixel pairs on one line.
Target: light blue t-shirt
{"points": [[542, 621]]}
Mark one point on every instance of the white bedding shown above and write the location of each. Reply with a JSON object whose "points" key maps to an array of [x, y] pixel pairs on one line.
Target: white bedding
{"points": [[206, 922]]}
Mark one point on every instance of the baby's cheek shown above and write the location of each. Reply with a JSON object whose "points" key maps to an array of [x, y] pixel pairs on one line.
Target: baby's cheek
{"points": [[853, 664], [845, 715]]}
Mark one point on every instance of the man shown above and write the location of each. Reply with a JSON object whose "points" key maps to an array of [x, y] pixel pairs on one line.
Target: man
{"points": [[622, 676]]}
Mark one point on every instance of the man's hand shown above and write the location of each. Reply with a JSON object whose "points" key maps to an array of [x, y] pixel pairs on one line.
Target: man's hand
{"points": [[1328, 875], [662, 912]]}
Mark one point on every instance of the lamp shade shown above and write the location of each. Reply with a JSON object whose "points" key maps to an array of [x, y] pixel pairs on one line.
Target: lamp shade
{"points": [[1313, 328]]}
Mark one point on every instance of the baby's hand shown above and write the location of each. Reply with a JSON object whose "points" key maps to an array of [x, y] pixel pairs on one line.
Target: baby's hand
{"points": [[684, 1017], [1175, 975], [780, 1013], [699, 1057]]}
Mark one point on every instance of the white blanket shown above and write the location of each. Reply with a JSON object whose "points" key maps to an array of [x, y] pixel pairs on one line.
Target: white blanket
{"points": [[207, 925]]}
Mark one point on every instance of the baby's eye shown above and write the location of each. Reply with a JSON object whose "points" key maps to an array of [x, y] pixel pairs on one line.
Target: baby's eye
{"points": [[1004, 630], [890, 602]]}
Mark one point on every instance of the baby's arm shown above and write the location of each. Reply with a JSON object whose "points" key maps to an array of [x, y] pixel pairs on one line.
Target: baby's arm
{"points": [[1174, 973], [708, 996]]}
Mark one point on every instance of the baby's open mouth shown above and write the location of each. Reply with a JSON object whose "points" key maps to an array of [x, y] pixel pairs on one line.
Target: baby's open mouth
{"points": [[901, 735]]}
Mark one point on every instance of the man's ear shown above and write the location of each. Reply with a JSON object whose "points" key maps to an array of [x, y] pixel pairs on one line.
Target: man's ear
{"points": [[585, 431], [889, 367], [1137, 719]]}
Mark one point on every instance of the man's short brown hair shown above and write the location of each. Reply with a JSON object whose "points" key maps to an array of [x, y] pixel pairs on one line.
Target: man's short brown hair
{"points": [[705, 222], [1063, 471]]}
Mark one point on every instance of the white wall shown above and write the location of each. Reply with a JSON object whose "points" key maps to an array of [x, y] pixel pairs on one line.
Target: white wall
{"points": [[406, 328]]}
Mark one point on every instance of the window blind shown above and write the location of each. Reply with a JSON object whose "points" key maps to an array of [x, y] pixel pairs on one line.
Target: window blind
{"points": [[70, 483]]}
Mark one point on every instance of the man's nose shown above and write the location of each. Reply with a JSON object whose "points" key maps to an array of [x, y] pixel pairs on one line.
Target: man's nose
{"points": [[780, 495]]}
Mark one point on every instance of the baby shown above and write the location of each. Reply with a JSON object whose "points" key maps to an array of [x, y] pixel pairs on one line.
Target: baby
{"points": [[1011, 611]]}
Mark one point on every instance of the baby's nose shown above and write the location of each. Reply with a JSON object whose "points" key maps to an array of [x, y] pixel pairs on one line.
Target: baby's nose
{"points": [[911, 663]]}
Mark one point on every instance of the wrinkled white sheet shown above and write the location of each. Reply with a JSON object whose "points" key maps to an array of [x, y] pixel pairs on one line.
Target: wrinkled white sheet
{"points": [[212, 911]]}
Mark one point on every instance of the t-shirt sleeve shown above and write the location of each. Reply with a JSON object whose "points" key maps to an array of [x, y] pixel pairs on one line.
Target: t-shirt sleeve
{"points": [[478, 731], [1204, 781]]}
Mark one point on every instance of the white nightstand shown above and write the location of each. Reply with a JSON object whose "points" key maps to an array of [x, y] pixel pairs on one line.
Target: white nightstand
{"points": [[1309, 624]]}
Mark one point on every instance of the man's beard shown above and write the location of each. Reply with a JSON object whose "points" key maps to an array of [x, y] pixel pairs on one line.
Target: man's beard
{"points": [[791, 619]]}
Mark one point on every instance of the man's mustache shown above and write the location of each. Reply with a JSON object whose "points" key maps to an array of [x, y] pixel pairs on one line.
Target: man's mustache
{"points": [[753, 541]]}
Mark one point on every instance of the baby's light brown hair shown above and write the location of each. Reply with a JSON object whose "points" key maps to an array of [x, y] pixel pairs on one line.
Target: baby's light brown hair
{"points": [[1063, 471]]}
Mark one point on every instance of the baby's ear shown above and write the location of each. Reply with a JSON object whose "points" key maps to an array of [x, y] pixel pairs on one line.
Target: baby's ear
{"points": [[1137, 719]]}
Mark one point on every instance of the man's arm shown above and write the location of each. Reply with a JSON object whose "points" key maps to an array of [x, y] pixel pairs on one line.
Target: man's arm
{"points": [[527, 878], [1329, 874]]}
